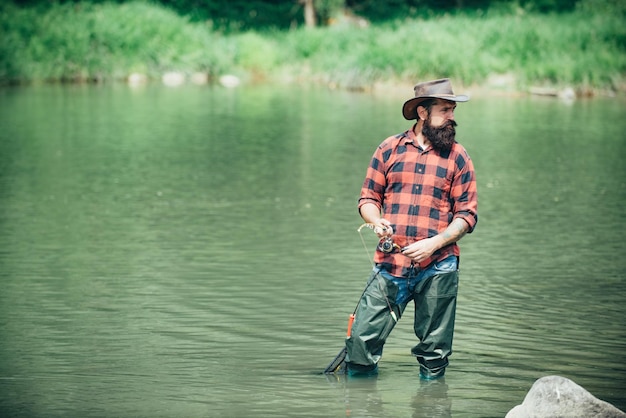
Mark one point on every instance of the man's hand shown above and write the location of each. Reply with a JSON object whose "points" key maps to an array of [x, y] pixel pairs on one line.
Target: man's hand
{"points": [[371, 215], [383, 228], [421, 250]]}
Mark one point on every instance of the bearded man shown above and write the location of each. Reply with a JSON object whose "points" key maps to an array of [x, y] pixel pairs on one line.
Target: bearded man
{"points": [[420, 197]]}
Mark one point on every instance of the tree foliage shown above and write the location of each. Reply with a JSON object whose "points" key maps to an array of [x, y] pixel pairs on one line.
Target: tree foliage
{"points": [[237, 15]]}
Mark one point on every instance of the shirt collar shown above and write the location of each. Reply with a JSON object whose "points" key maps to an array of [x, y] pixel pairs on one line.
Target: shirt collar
{"points": [[411, 138]]}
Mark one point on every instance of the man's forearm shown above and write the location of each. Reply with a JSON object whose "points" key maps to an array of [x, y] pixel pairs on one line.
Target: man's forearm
{"points": [[422, 249], [370, 213], [454, 232]]}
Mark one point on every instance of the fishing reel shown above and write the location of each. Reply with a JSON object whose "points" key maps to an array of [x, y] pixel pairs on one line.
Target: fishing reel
{"points": [[387, 245]]}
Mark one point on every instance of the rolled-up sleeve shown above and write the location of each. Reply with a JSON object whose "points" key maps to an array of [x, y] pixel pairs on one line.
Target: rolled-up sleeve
{"points": [[464, 192], [374, 184]]}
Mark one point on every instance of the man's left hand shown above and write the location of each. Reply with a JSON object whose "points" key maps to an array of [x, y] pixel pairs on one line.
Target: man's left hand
{"points": [[421, 250]]}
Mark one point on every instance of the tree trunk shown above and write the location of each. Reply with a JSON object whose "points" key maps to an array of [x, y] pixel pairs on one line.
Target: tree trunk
{"points": [[309, 14]]}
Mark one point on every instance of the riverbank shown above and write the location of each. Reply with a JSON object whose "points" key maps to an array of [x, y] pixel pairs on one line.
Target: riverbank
{"points": [[509, 52]]}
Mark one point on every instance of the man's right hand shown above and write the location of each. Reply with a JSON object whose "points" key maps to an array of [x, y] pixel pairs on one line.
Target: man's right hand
{"points": [[371, 215], [383, 228]]}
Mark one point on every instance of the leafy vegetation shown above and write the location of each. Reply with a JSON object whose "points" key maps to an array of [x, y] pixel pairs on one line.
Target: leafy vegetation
{"points": [[584, 48], [285, 14]]}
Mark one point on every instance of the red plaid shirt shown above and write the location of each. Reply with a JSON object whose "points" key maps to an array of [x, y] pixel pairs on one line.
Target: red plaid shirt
{"points": [[420, 192]]}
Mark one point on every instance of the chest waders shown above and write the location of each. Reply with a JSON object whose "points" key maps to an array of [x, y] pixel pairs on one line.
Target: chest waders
{"points": [[434, 297], [338, 365]]}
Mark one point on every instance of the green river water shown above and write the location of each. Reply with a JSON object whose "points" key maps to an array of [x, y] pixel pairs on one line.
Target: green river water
{"points": [[192, 252]]}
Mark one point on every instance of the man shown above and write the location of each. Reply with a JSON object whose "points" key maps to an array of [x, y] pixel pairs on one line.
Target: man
{"points": [[419, 196]]}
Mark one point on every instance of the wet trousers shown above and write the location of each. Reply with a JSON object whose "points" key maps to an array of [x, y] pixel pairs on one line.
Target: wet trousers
{"points": [[433, 291]]}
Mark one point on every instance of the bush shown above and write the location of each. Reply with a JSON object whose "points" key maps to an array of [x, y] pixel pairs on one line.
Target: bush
{"points": [[94, 41]]}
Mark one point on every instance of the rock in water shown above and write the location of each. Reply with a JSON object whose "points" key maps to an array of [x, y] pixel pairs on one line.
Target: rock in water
{"points": [[556, 396]]}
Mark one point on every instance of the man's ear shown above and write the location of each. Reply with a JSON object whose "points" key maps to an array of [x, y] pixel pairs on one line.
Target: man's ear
{"points": [[422, 113]]}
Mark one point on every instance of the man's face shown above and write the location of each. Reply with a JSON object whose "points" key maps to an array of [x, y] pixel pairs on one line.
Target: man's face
{"points": [[441, 112], [439, 127]]}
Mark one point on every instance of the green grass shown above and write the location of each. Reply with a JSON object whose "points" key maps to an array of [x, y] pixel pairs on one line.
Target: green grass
{"points": [[83, 42], [87, 42]]}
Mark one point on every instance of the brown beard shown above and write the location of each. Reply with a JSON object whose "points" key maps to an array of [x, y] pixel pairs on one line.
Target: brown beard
{"points": [[441, 138]]}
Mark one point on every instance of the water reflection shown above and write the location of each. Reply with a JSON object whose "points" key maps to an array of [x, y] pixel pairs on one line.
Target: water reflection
{"points": [[431, 400], [362, 398]]}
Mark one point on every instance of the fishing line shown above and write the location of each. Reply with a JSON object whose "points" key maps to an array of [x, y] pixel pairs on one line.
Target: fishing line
{"points": [[340, 359], [382, 291], [369, 257]]}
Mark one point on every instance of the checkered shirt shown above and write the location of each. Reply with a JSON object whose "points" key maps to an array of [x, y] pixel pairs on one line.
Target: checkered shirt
{"points": [[420, 193]]}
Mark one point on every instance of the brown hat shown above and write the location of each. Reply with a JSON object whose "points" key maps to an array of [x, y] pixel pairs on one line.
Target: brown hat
{"points": [[436, 89]]}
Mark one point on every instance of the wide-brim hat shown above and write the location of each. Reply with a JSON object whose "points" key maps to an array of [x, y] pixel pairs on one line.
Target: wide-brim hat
{"points": [[436, 89]]}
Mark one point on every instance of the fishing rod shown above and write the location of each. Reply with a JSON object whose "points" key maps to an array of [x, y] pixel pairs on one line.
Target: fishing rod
{"points": [[385, 245], [340, 359]]}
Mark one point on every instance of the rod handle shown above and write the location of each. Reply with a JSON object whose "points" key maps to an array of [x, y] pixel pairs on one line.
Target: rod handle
{"points": [[350, 321]]}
